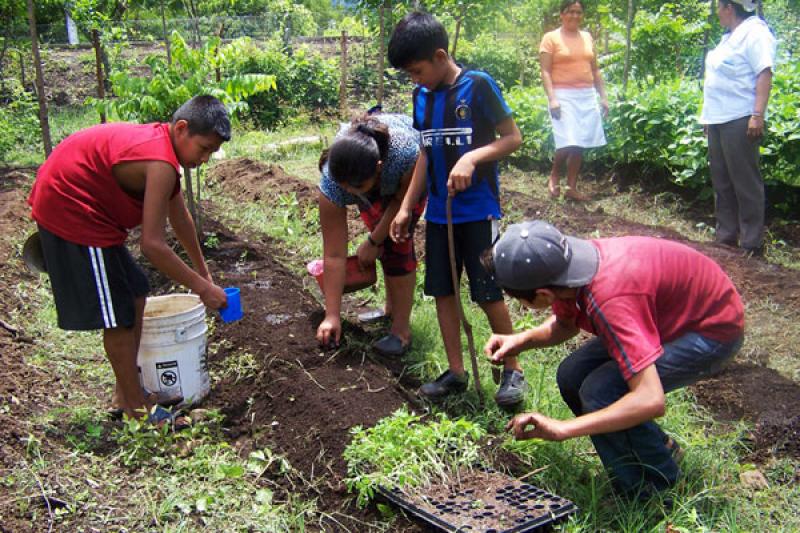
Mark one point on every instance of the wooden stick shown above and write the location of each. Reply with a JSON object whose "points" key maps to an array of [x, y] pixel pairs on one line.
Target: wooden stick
{"points": [[451, 246]]}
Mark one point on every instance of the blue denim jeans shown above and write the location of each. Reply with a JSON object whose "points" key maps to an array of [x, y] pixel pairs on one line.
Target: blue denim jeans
{"points": [[637, 459]]}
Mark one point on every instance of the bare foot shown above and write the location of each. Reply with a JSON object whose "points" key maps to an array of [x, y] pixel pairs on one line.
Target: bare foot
{"points": [[573, 194], [555, 190]]}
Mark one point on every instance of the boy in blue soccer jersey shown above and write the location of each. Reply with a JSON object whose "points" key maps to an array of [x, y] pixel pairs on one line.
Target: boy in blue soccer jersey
{"points": [[460, 114]]}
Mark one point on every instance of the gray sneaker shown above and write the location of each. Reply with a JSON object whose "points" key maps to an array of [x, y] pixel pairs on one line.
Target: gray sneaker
{"points": [[445, 385], [512, 389]]}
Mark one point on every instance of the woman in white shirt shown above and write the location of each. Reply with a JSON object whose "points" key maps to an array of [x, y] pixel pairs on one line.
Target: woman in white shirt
{"points": [[737, 84]]}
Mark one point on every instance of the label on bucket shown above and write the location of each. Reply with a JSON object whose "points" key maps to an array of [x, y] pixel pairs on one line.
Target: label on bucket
{"points": [[169, 377]]}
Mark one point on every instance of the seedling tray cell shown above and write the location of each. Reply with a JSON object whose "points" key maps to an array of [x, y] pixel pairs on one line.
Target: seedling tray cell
{"points": [[482, 500]]}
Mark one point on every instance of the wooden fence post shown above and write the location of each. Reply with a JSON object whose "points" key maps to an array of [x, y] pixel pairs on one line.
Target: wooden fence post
{"points": [[189, 195], [628, 28], [37, 65], [164, 33], [98, 62], [343, 78], [382, 53]]}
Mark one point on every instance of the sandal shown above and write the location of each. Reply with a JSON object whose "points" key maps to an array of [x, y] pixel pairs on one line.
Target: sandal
{"points": [[373, 316], [159, 416], [163, 399], [391, 346]]}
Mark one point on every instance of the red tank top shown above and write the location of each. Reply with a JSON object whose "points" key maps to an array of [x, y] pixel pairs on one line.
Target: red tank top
{"points": [[76, 195]]}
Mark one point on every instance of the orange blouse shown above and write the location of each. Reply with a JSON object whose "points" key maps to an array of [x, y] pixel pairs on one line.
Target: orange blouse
{"points": [[572, 58]]}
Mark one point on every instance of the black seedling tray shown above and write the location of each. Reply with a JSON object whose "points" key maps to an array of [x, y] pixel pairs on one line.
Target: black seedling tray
{"points": [[519, 507]]}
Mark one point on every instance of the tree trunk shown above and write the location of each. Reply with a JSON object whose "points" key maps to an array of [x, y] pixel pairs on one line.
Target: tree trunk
{"points": [[187, 183], [760, 8], [459, 20], [164, 32], [21, 68], [628, 29], [343, 79], [382, 53], [198, 222], [98, 62], [37, 65]]}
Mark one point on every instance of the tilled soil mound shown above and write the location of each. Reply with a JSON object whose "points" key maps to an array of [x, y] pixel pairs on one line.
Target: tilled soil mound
{"points": [[299, 400], [256, 181], [761, 396]]}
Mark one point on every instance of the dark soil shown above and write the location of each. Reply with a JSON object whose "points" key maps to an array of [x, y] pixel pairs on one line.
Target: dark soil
{"points": [[761, 396], [22, 387], [302, 401]]}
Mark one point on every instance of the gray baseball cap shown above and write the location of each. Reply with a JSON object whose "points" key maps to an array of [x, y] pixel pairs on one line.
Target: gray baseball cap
{"points": [[534, 254]]}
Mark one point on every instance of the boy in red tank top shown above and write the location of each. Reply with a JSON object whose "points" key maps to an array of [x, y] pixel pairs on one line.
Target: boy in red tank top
{"points": [[97, 185]]}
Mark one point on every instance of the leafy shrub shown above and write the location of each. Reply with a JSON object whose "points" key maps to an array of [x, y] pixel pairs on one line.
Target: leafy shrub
{"points": [[193, 72], [19, 123], [503, 59], [657, 127], [400, 451], [304, 80]]}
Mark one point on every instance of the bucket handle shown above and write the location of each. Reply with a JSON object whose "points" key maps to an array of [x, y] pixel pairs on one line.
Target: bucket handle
{"points": [[180, 334]]}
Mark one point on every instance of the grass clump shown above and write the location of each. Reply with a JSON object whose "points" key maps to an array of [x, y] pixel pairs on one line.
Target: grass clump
{"points": [[402, 451]]}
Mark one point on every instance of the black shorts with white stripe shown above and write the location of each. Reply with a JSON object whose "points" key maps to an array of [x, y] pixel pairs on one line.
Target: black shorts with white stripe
{"points": [[94, 288]]}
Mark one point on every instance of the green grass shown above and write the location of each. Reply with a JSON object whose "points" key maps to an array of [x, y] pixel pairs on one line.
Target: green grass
{"points": [[63, 121]]}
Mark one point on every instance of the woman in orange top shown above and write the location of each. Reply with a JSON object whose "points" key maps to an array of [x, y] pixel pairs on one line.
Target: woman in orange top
{"points": [[572, 80]]}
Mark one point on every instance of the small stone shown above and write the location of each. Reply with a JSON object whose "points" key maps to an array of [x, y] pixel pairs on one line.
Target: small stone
{"points": [[754, 479]]}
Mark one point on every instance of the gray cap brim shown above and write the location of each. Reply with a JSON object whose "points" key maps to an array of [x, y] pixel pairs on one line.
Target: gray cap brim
{"points": [[582, 265]]}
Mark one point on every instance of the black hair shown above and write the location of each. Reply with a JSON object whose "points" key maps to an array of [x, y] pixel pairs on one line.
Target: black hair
{"points": [[416, 38], [353, 157], [566, 4], [741, 12], [205, 115], [487, 262]]}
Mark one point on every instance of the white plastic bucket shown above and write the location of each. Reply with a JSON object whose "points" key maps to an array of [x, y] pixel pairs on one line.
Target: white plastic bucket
{"points": [[172, 352]]}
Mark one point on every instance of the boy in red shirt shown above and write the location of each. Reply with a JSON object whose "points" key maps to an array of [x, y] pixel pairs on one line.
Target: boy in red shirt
{"points": [[664, 316], [97, 185]]}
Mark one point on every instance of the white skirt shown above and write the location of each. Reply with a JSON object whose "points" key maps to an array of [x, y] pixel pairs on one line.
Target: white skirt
{"points": [[580, 123]]}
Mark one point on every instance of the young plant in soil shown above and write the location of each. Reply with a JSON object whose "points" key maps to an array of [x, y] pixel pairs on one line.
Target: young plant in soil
{"points": [[401, 451]]}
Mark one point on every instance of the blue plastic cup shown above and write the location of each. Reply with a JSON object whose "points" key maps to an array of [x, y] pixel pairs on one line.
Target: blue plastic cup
{"points": [[233, 311]]}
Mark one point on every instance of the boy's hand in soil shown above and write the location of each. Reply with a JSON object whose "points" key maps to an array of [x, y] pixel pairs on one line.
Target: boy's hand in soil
{"points": [[367, 254], [499, 347], [542, 427], [461, 175], [213, 296], [398, 230], [329, 331]]}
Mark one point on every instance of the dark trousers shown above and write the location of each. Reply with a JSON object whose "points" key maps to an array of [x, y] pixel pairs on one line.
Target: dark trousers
{"points": [[637, 458], [738, 185]]}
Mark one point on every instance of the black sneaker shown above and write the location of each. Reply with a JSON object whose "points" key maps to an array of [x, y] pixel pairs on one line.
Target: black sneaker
{"points": [[445, 385], [512, 389]]}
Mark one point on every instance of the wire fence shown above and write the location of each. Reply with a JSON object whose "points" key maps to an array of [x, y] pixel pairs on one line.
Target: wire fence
{"points": [[257, 27]]}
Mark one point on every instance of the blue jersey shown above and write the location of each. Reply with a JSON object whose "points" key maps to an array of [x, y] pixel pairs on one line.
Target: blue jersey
{"points": [[455, 119]]}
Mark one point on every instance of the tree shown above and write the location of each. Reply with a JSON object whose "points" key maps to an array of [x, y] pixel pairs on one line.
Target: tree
{"points": [[628, 28], [40, 89]]}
